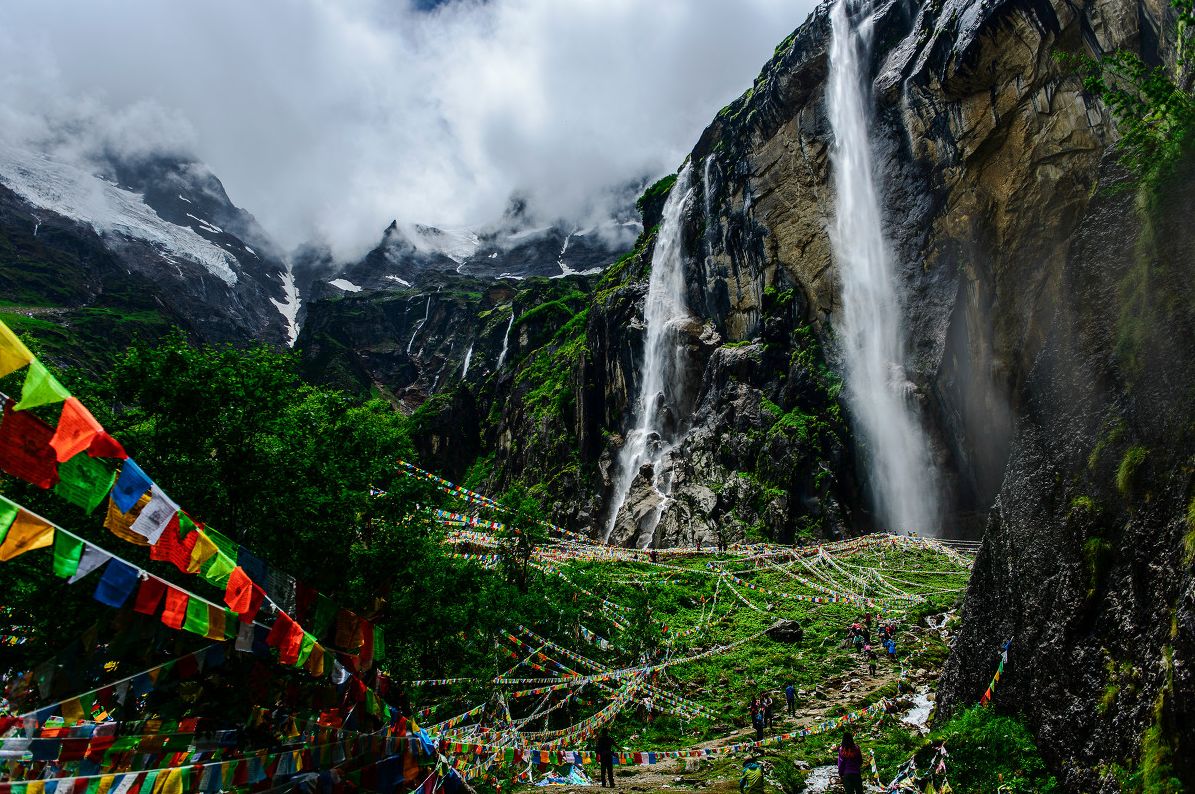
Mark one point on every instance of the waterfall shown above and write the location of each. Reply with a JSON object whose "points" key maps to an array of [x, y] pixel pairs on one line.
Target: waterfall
{"points": [[468, 358], [653, 436], [872, 331], [506, 338], [426, 313]]}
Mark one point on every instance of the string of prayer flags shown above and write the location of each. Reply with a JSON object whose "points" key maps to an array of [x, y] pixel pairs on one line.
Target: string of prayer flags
{"points": [[987, 695]]}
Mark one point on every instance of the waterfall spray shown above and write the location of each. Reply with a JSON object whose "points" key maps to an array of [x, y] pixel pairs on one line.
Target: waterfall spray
{"points": [[506, 338], [653, 436], [878, 392]]}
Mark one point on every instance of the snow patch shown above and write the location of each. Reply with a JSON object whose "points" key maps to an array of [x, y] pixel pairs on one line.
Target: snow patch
{"points": [[402, 281], [344, 284], [184, 198], [205, 225], [112, 211], [289, 308]]}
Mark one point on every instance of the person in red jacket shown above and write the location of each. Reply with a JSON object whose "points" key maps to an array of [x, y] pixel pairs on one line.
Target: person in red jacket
{"points": [[850, 765]]}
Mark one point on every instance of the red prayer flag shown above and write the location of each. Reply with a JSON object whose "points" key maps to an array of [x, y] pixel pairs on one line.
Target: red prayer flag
{"points": [[287, 637], [105, 446], [149, 596], [173, 548], [25, 450], [176, 608], [77, 428]]}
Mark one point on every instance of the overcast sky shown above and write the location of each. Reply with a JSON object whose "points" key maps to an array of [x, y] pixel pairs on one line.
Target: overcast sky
{"points": [[328, 118]]}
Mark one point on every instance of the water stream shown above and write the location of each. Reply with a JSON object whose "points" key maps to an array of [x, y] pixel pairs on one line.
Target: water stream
{"points": [[506, 338], [871, 326]]}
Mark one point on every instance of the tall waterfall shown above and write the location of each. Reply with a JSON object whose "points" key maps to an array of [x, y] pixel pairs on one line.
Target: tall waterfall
{"points": [[654, 434], [872, 329], [468, 358]]}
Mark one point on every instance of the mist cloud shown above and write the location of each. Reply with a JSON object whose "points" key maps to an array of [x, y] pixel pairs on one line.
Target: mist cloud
{"points": [[328, 118]]}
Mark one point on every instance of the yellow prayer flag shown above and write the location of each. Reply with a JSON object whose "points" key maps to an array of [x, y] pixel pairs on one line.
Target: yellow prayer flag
{"points": [[118, 523], [171, 782], [35, 787], [215, 623], [72, 711], [105, 784], [25, 534], [203, 551], [315, 662], [13, 353]]}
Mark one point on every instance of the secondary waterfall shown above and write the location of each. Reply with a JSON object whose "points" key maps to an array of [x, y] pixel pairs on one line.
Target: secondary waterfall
{"points": [[506, 338], [653, 436], [427, 311], [468, 358], [871, 327]]}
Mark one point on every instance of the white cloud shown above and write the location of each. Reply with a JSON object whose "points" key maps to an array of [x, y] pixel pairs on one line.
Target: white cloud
{"points": [[327, 118]]}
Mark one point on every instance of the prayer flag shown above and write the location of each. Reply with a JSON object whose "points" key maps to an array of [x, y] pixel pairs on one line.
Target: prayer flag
{"points": [[202, 551], [25, 534], [215, 622], [68, 550], [155, 516], [149, 596], [130, 486], [93, 557], [176, 608], [196, 619], [25, 450], [218, 569], [116, 585], [242, 595], [8, 514], [120, 523], [77, 428], [172, 548], [13, 353], [287, 637], [84, 481], [41, 388]]}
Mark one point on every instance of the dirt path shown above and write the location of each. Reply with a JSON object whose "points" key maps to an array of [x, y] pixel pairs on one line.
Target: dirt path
{"points": [[829, 700]]}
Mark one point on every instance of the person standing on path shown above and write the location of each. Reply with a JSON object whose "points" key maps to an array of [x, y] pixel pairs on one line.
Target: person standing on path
{"points": [[768, 711], [605, 753], [790, 697], [850, 765]]}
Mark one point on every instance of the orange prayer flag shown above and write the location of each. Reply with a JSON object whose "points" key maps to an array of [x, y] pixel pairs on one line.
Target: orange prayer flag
{"points": [[77, 428], [25, 534], [176, 608]]}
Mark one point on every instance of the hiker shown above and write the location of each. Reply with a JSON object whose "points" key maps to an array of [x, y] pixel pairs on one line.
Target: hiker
{"points": [[699, 545], [871, 659], [767, 710], [655, 557], [751, 781], [858, 642], [605, 754], [757, 719], [891, 646], [850, 765], [790, 697]]}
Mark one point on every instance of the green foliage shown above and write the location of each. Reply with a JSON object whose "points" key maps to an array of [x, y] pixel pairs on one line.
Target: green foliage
{"points": [[1130, 465], [1154, 115], [990, 752], [554, 310], [655, 195], [548, 371], [1082, 506], [1189, 535]]}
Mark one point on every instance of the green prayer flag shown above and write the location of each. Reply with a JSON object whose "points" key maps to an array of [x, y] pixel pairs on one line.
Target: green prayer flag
{"points": [[67, 552], [379, 643], [325, 613], [305, 649], [41, 388], [85, 481], [232, 624], [185, 525], [8, 514], [225, 544], [217, 569], [196, 621], [371, 702], [94, 786]]}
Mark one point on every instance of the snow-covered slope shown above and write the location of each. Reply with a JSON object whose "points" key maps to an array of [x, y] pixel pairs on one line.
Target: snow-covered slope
{"points": [[72, 192]]}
